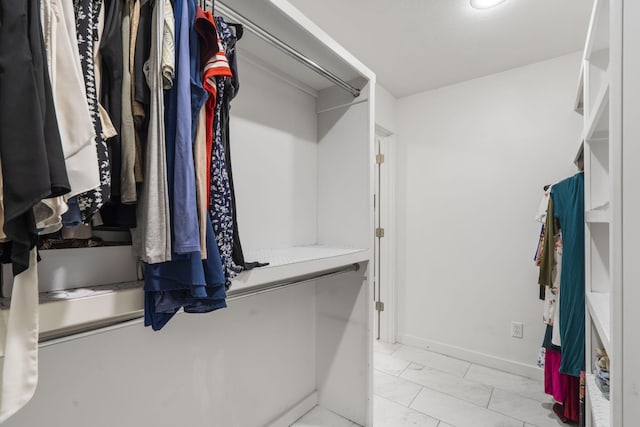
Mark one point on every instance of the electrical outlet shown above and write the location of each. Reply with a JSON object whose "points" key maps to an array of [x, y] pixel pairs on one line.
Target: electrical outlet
{"points": [[517, 329]]}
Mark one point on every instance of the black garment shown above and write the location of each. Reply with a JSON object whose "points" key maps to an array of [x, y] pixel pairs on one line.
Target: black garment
{"points": [[117, 215], [33, 165], [87, 14], [142, 53], [232, 85], [113, 212], [111, 90], [142, 93]]}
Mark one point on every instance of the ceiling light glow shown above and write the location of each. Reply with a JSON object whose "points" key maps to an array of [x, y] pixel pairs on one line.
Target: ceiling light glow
{"points": [[485, 4]]}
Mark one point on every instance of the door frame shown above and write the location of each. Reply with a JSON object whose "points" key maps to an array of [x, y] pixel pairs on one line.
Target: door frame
{"points": [[388, 283]]}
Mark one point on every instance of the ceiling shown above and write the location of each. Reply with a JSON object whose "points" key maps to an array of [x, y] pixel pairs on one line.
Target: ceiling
{"points": [[417, 45]]}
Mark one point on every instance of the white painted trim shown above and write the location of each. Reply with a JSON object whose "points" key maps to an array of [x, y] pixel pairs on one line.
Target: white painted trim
{"points": [[297, 411], [489, 360], [388, 258], [383, 131]]}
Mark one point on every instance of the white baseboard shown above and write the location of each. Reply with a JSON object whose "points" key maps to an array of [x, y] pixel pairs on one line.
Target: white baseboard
{"points": [[297, 411], [491, 361]]}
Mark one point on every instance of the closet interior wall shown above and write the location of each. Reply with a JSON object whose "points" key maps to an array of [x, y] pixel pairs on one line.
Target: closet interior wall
{"points": [[473, 159]]}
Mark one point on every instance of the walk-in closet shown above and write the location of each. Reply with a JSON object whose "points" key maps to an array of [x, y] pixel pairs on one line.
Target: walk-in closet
{"points": [[248, 213]]}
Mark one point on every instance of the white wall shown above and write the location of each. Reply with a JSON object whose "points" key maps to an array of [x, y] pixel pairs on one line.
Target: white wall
{"points": [[274, 129], [473, 159], [386, 110], [219, 369]]}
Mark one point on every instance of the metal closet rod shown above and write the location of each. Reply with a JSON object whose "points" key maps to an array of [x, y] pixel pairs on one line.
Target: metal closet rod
{"points": [[242, 293], [276, 42]]}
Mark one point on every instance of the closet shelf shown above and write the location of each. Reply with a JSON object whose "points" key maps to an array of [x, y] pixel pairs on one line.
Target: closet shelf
{"points": [[597, 129], [287, 263], [579, 159], [598, 36], [81, 309], [578, 106], [76, 310], [600, 214], [600, 407], [598, 305]]}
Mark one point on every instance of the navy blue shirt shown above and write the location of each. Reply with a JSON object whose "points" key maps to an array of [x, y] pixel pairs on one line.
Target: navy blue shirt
{"points": [[186, 281]]}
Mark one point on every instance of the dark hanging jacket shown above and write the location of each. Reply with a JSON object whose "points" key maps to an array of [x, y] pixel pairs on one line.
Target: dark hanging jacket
{"points": [[31, 153]]}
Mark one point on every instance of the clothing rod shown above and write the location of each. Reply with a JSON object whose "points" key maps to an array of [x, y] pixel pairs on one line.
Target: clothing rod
{"points": [[243, 293], [276, 42], [137, 317]]}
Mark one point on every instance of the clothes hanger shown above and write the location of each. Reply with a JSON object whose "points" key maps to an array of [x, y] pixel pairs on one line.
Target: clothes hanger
{"points": [[239, 29]]}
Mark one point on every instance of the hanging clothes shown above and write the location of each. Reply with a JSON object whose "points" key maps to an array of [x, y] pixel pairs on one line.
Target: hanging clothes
{"points": [[114, 213], [111, 94], [87, 16], [568, 208], [212, 63], [551, 271], [30, 145], [220, 203], [72, 112], [19, 342], [232, 86], [168, 47], [33, 169], [152, 237], [540, 217], [179, 119], [141, 91], [186, 281], [128, 138], [199, 154], [555, 383]]}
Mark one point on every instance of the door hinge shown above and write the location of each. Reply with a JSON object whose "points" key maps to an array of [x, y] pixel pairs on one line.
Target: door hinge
{"points": [[379, 306], [379, 233], [379, 159]]}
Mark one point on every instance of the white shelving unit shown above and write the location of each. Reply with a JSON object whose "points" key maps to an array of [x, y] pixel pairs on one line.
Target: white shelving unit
{"points": [[302, 155], [600, 407], [599, 309], [295, 262], [600, 90], [77, 309]]}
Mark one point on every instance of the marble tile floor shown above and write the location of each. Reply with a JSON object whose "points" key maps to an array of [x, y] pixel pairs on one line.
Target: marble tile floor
{"points": [[419, 388]]}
